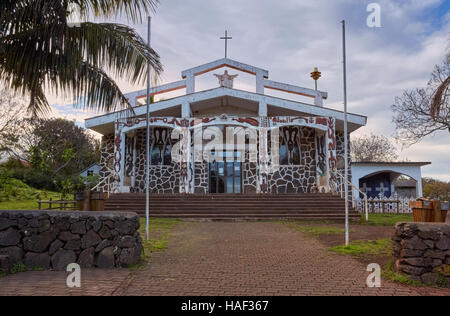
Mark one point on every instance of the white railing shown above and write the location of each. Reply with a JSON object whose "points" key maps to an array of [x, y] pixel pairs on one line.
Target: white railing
{"points": [[105, 181], [394, 204], [344, 182]]}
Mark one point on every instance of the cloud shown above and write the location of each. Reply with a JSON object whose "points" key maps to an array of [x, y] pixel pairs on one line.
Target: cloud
{"points": [[291, 37]]}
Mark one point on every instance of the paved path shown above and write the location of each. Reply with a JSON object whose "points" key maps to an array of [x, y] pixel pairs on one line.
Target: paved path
{"points": [[220, 258]]}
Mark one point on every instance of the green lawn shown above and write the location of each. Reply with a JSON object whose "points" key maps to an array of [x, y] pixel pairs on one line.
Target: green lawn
{"points": [[16, 195], [29, 203], [314, 228], [376, 219], [159, 231], [366, 248]]}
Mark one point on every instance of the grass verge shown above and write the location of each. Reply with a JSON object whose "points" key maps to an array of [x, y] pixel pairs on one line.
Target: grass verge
{"points": [[159, 231], [390, 274], [30, 203], [385, 219], [314, 228], [17, 268], [365, 248]]}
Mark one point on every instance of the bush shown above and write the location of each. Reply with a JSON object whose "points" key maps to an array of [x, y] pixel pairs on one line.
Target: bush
{"points": [[26, 183], [47, 180], [18, 181], [33, 178], [14, 189]]}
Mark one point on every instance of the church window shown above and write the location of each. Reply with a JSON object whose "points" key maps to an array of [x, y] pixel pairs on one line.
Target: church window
{"points": [[161, 147], [290, 146]]}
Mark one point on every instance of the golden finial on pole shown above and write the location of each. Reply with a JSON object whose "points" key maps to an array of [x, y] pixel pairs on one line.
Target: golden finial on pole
{"points": [[316, 74]]}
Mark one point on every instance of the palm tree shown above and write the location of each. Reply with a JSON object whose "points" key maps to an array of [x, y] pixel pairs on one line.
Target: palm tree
{"points": [[41, 51]]}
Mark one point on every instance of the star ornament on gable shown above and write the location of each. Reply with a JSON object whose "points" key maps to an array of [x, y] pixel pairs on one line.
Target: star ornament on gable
{"points": [[226, 80]]}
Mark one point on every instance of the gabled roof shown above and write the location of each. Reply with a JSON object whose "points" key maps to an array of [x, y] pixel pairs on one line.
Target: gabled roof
{"points": [[355, 121], [224, 62], [171, 107]]}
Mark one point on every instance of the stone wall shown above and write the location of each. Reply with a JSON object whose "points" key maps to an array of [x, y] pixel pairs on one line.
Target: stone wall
{"points": [[106, 159], [422, 251], [52, 239], [302, 178], [201, 177], [163, 179], [249, 177], [340, 153]]}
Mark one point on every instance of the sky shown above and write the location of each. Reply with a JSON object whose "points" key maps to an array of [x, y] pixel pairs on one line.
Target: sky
{"points": [[291, 37]]}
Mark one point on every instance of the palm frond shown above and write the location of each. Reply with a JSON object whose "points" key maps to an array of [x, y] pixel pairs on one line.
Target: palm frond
{"points": [[39, 51], [117, 47], [18, 16], [132, 9], [38, 102], [98, 90]]}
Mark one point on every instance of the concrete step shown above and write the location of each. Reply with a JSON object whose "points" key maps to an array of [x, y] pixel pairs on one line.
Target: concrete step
{"points": [[224, 206]]}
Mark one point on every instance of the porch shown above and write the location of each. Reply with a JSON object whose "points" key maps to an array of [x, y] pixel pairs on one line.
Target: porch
{"points": [[223, 154]]}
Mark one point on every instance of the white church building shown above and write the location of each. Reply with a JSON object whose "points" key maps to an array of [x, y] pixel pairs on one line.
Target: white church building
{"points": [[310, 141]]}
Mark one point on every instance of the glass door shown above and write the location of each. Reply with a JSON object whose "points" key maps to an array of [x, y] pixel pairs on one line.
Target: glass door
{"points": [[226, 176]]}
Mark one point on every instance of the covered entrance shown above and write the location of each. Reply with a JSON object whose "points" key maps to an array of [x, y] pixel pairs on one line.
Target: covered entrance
{"points": [[225, 175]]}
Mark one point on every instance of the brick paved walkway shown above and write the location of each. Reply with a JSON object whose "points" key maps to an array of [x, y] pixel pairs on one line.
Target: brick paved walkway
{"points": [[220, 258]]}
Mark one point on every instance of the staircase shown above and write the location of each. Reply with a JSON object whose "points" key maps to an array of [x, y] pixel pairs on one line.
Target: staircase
{"points": [[234, 206]]}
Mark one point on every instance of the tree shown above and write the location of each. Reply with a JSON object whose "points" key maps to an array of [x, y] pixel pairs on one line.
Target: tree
{"points": [[18, 140], [62, 146], [12, 111], [433, 188], [41, 51], [422, 112], [54, 146], [373, 148]]}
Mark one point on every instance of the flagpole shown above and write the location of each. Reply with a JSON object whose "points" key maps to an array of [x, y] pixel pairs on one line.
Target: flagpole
{"points": [[347, 237], [147, 165]]}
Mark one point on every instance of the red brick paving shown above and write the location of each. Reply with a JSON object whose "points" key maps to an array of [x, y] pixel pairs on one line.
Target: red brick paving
{"points": [[224, 258]]}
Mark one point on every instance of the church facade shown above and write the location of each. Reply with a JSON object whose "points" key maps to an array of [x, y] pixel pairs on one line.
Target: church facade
{"points": [[225, 140]]}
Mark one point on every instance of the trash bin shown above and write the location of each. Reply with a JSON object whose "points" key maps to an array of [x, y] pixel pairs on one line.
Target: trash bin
{"points": [[444, 210], [82, 201], [422, 210], [432, 211], [97, 201]]}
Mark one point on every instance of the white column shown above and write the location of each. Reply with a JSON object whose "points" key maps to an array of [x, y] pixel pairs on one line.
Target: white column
{"points": [[186, 110], [419, 183], [185, 149], [330, 141], [262, 109], [133, 178], [263, 185], [122, 161], [132, 101], [190, 84], [321, 175], [119, 157], [318, 100], [260, 82]]}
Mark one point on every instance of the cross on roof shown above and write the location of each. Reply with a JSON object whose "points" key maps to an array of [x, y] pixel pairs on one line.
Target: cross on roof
{"points": [[226, 38]]}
